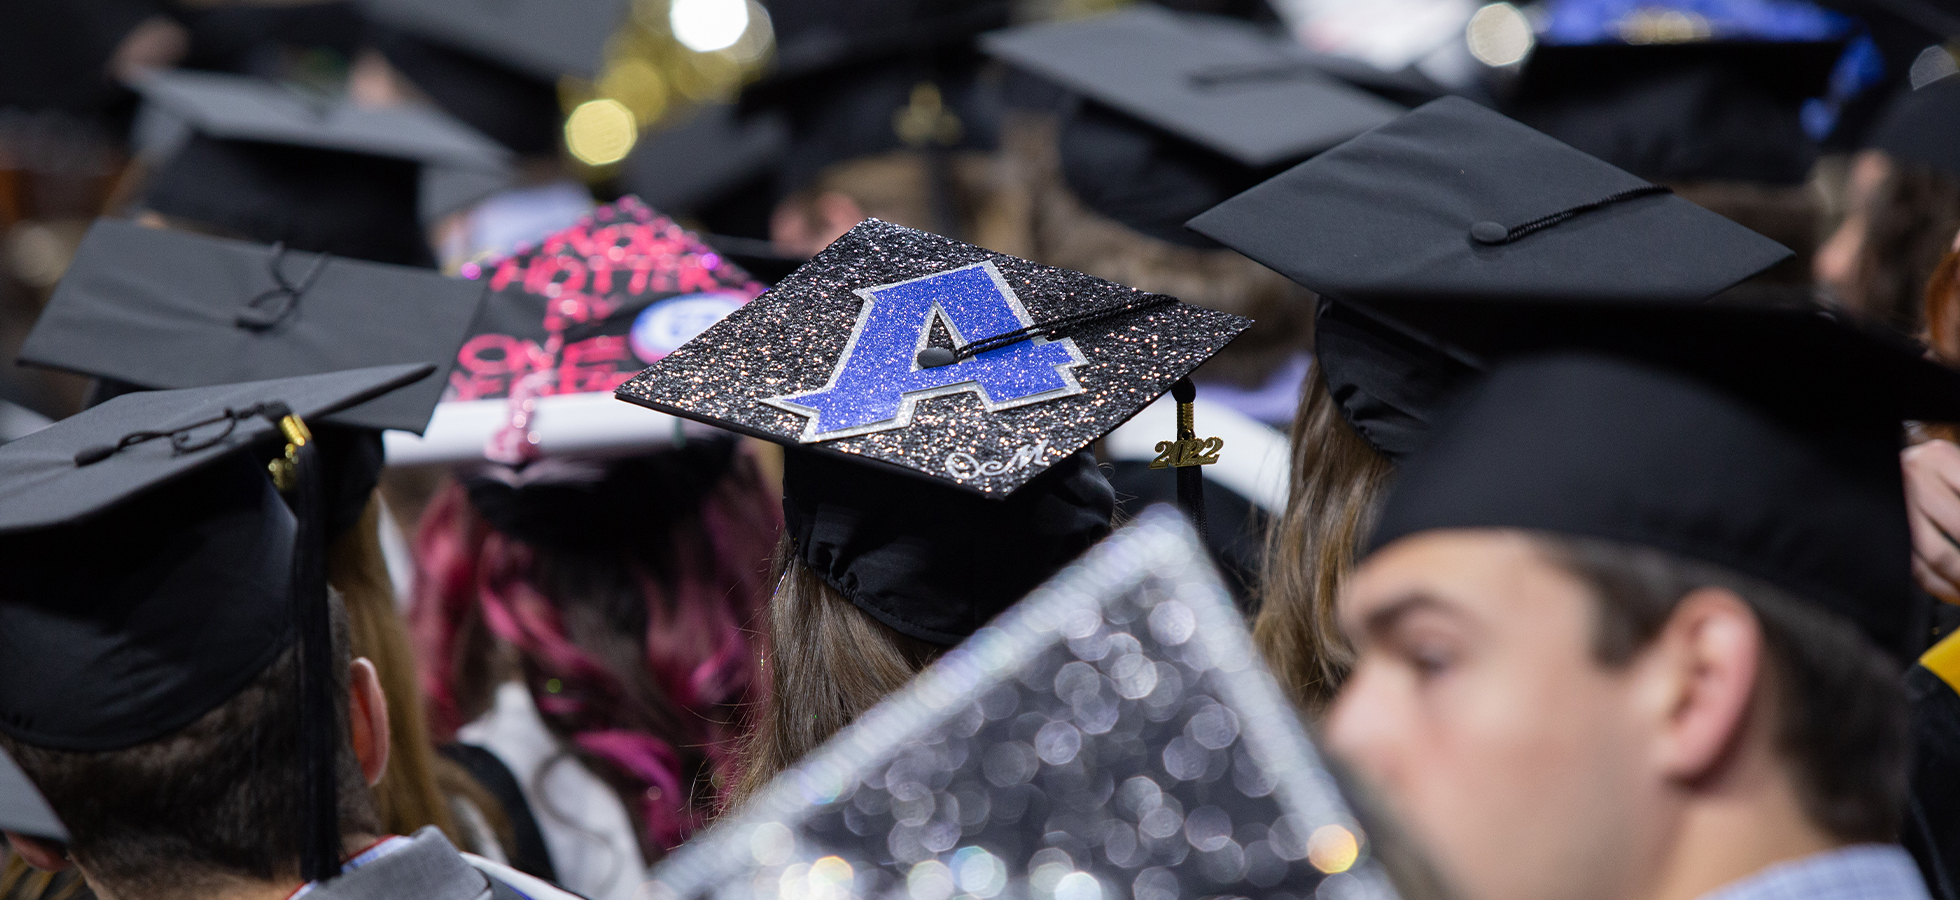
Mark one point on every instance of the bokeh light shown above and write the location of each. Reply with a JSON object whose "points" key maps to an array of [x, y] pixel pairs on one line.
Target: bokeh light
{"points": [[601, 132], [1499, 35], [1333, 849], [705, 26]]}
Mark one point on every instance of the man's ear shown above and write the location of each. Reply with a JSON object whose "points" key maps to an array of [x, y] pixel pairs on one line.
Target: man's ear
{"points": [[1710, 656], [367, 715], [48, 856]]}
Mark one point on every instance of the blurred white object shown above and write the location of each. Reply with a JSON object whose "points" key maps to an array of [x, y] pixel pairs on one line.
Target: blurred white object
{"points": [[592, 424], [1391, 35], [1253, 464]]}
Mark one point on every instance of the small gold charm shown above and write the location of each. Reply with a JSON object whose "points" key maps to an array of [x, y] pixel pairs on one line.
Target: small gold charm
{"points": [[285, 468], [1188, 449], [926, 120]]}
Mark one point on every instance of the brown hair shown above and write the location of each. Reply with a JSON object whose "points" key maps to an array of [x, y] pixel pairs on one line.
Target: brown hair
{"points": [[1910, 224], [416, 786], [209, 804], [826, 664], [1838, 704], [1337, 483], [1062, 232]]}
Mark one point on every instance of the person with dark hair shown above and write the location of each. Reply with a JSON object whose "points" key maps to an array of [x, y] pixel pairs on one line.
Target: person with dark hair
{"points": [[1633, 628], [1901, 208], [936, 400], [1376, 217], [185, 701]]}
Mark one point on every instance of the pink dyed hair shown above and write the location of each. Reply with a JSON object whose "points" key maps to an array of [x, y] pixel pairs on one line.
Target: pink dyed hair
{"points": [[661, 714]]}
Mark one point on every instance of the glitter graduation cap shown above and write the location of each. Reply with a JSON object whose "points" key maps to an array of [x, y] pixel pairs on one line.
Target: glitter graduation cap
{"points": [[156, 308], [252, 117], [155, 570], [1113, 734], [903, 348]]}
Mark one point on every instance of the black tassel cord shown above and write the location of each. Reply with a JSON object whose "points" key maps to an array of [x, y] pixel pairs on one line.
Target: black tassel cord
{"points": [[1190, 479], [319, 728]]}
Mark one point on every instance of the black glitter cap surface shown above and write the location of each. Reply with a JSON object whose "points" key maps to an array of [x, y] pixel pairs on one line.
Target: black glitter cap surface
{"points": [[829, 359]]}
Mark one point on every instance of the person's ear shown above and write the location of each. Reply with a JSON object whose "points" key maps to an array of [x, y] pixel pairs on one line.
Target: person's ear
{"points": [[1708, 660], [367, 714], [46, 855]]}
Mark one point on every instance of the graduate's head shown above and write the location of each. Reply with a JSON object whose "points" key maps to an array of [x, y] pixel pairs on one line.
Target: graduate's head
{"points": [[174, 669], [1610, 609]]}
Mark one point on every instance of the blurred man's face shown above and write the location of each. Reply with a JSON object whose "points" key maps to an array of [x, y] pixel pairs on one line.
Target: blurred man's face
{"points": [[1477, 709]]}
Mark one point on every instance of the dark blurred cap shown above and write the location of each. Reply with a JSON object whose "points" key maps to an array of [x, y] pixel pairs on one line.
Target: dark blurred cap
{"points": [[543, 39], [1693, 111], [1923, 126]]}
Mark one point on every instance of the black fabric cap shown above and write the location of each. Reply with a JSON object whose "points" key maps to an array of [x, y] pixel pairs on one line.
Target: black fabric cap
{"points": [[1932, 827], [1923, 126], [828, 359], [1596, 446], [680, 167], [22, 808], [1390, 384], [1708, 110], [824, 36], [41, 486], [544, 38], [931, 561], [1392, 214], [238, 108], [323, 201], [56, 55], [1218, 84], [162, 309], [515, 108]]}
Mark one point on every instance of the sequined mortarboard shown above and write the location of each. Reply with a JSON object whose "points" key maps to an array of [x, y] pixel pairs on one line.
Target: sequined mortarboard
{"points": [[903, 348], [1112, 735]]}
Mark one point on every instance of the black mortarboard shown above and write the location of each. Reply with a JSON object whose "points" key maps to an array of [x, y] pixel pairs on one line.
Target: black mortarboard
{"points": [[165, 309], [952, 379], [22, 808], [1923, 126], [1217, 84], [1455, 200], [1112, 735], [1393, 214], [716, 149], [245, 110], [192, 572], [1703, 110], [1763, 440], [1183, 110], [541, 38], [1932, 826]]}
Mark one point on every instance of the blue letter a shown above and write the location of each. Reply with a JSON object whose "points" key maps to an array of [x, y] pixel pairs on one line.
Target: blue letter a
{"points": [[877, 384]]}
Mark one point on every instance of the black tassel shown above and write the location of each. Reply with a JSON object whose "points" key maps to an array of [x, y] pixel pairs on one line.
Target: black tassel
{"points": [[1190, 479], [319, 727]]}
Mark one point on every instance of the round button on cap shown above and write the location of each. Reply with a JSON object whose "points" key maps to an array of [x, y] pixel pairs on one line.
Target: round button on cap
{"points": [[1489, 233], [934, 357]]}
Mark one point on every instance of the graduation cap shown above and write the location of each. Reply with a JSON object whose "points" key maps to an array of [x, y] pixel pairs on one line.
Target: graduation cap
{"points": [[22, 808], [56, 55], [1185, 110], [1455, 202], [155, 308], [496, 64], [591, 305], [247, 155], [1114, 734], [1703, 110], [1922, 126], [1761, 439], [540, 38], [936, 397], [155, 570], [703, 158]]}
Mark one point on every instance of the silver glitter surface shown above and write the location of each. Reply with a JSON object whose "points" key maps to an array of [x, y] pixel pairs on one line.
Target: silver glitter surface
{"points": [[790, 339], [1112, 737]]}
